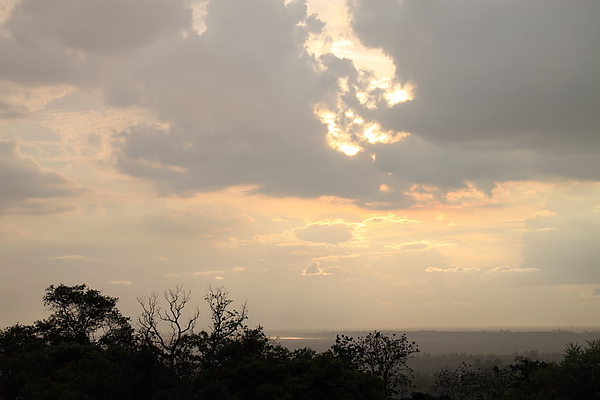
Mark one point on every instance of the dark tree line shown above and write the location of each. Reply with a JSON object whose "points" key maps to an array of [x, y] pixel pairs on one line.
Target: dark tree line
{"points": [[86, 349], [577, 376]]}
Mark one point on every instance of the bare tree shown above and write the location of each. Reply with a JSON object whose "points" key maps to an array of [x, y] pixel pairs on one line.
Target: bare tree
{"points": [[226, 323], [174, 340]]}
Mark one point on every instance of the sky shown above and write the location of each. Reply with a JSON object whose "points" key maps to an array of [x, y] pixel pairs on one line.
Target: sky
{"points": [[361, 164]]}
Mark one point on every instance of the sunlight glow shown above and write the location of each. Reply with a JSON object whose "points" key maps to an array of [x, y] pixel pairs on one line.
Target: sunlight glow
{"points": [[376, 86], [399, 94], [349, 149], [338, 138], [199, 12], [374, 134]]}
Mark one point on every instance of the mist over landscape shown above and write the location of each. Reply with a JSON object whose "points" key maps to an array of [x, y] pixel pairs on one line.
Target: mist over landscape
{"points": [[468, 342]]}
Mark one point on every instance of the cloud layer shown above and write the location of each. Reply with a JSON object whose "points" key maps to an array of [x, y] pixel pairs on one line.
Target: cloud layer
{"points": [[255, 143], [236, 104]]}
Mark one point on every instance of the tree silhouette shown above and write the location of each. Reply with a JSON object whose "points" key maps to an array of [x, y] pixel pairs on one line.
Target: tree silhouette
{"points": [[173, 342], [81, 313], [382, 355]]}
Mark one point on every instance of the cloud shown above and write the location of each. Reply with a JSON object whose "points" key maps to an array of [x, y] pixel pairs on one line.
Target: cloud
{"points": [[333, 233], [501, 92], [239, 109], [507, 269], [417, 245], [235, 105], [26, 187], [482, 113], [107, 26], [68, 257], [452, 269], [206, 273], [314, 268]]}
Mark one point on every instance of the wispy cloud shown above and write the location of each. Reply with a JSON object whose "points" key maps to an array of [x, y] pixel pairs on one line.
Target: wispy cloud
{"points": [[456, 269], [507, 269], [314, 268], [68, 257], [124, 283], [418, 245]]}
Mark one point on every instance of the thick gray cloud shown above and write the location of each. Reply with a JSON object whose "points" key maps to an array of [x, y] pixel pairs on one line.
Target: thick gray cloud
{"points": [[33, 64], [239, 100], [24, 183], [504, 91], [449, 165], [107, 26], [509, 72], [79, 42], [502, 94]]}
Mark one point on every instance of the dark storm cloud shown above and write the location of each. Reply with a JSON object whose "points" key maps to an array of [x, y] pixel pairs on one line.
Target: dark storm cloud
{"points": [[24, 183], [510, 72]]}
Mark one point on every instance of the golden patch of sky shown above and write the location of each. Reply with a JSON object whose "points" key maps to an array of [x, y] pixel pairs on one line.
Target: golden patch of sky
{"points": [[414, 249], [199, 15], [348, 131], [6, 6]]}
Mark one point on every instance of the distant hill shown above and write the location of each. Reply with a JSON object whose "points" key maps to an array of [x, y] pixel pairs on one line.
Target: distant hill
{"points": [[447, 342]]}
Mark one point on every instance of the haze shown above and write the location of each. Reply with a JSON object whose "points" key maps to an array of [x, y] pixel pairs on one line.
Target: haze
{"points": [[364, 165]]}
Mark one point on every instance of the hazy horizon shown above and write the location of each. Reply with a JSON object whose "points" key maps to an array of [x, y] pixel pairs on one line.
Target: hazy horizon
{"points": [[360, 163]]}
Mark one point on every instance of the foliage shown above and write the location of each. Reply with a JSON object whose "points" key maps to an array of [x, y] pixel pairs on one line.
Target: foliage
{"points": [[253, 367], [467, 382], [580, 370], [79, 313], [576, 377], [86, 349], [384, 356]]}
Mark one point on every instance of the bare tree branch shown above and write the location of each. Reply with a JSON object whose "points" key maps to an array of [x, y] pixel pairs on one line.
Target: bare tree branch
{"points": [[172, 343]]}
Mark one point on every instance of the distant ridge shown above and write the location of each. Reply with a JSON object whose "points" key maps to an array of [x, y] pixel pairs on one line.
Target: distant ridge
{"points": [[437, 342]]}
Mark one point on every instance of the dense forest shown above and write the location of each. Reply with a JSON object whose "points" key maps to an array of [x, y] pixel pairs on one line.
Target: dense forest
{"points": [[86, 349]]}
